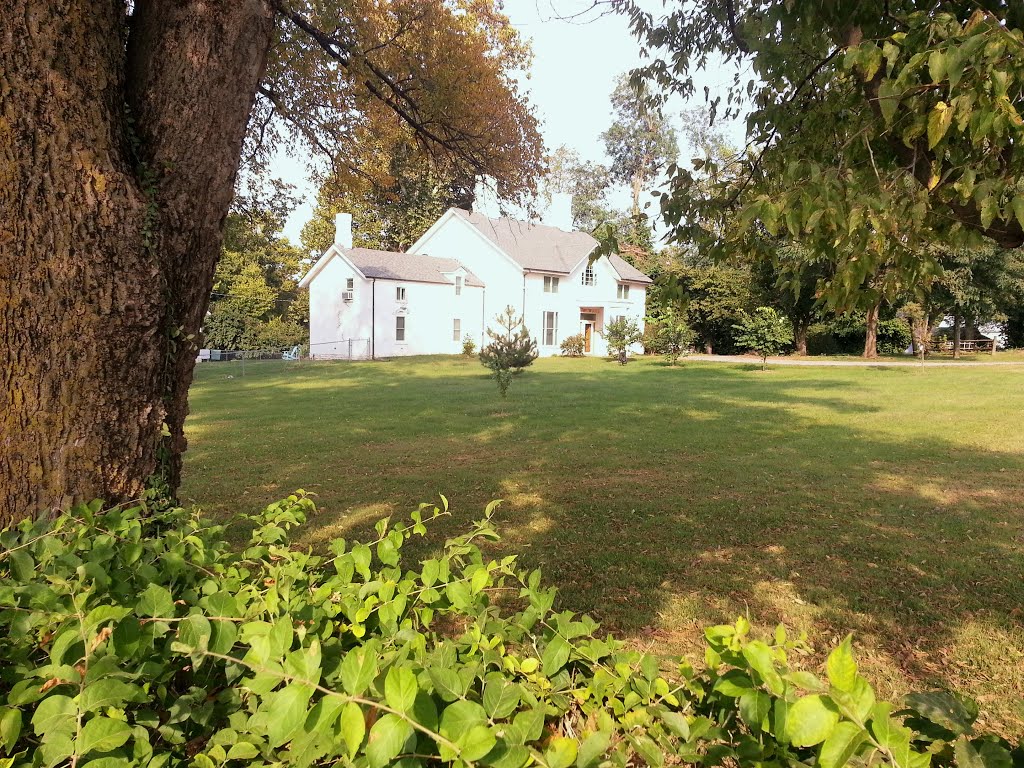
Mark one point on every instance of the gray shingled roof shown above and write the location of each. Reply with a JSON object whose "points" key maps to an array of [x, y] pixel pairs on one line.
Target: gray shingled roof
{"points": [[386, 265], [543, 248]]}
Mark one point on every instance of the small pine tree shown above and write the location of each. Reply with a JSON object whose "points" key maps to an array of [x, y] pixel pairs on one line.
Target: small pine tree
{"points": [[511, 349], [468, 345], [765, 332], [621, 334]]}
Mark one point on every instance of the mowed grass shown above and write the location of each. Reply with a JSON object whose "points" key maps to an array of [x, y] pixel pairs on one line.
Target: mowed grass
{"points": [[882, 501]]}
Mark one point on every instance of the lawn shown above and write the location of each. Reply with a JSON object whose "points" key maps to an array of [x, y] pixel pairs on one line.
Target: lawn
{"points": [[882, 501]]}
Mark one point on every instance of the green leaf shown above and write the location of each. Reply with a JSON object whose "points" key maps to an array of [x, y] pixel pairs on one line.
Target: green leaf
{"points": [[155, 601], [1018, 208], [734, 684], [447, 683], [242, 750], [387, 739], [561, 752], [556, 654], [476, 742], [353, 727], [754, 708], [891, 735], [108, 692], [10, 728], [810, 721], [459, 717], [194, 632], [651, 753], [56, 714], [287, 712], [400, 688], [102, 734], [888, 100], [937, 66], [762, 661], [841, 745], [939, 120], [593, 748], [501, 696], [358, 670], [841, 667], [953, 712]]}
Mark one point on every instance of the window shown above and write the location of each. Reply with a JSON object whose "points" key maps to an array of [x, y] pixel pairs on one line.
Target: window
{"points": [[400, 293], [588, 275], [550, 284], [349, 293], [550, 334], [350, 284], [399, 329], [458, 286], [619, 319], [456, 329], [623, 291]]}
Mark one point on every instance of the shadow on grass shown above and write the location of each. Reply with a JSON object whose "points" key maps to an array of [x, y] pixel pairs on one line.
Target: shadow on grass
{"points": [[658, 498]]}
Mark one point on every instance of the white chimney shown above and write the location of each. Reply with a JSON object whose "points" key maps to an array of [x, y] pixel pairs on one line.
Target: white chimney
{"points": [[343, 230], [559, 212]]}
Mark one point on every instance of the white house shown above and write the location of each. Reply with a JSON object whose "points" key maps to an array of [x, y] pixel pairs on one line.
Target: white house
{"points": [[456, 279]]}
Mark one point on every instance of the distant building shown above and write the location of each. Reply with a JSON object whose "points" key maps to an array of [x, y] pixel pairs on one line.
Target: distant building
{"points": [[456, 279]]}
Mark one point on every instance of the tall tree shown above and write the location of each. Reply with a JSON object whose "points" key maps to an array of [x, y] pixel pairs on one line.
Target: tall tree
{"points": [[589, 184], [639, 141], [122, 125], [874, 127]]}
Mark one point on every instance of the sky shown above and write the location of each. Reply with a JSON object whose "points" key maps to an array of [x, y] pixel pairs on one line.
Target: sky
{"points": [[576, 63]]}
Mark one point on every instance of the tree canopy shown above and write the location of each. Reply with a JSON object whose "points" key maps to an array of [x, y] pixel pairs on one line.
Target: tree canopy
{"points": [[873, 128]]}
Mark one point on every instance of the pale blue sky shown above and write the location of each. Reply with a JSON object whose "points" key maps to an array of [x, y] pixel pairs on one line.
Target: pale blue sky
{"points": [[576, 62]]}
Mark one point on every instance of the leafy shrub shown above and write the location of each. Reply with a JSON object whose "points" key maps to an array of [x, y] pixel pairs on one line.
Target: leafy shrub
{"points": [[766, 332], [511, 349], [621, 334], [137, 637], [845, 336], [894, 337], [574, 346], [468, 345], [675, 337]]}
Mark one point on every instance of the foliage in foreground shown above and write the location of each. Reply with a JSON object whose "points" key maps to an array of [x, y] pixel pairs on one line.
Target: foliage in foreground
{"points": [[136, 637]]}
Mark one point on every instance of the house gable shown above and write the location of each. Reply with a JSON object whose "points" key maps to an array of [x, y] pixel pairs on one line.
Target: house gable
{"points": [[451, 218], [318, 266]]}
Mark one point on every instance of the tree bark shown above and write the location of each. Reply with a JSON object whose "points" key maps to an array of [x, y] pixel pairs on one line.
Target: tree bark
{"points": [[800, 329], [871, 335], [109, 234]]}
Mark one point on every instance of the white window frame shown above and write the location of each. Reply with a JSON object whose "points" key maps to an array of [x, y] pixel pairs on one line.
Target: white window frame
{"points": [[400, 328], [350, 284], [623, 291], [400, 293], [549, 331], [589, 276], [458, 285], [457, 329], [550, 284]]}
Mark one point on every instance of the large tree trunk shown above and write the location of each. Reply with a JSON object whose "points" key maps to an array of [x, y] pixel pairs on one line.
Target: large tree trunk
{"points": [[957, 333], [800, 329], [871, 335], [109, 235]]}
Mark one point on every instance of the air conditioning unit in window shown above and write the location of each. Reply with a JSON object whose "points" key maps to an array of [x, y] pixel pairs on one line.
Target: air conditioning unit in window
{"points": [[347, 296]]}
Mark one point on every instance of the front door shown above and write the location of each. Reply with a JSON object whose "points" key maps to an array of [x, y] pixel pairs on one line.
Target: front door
{"points": [[588, 334]]}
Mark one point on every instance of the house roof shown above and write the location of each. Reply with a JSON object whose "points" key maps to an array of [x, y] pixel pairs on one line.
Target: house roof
{"points": [[388, 265], [542, 248]]}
